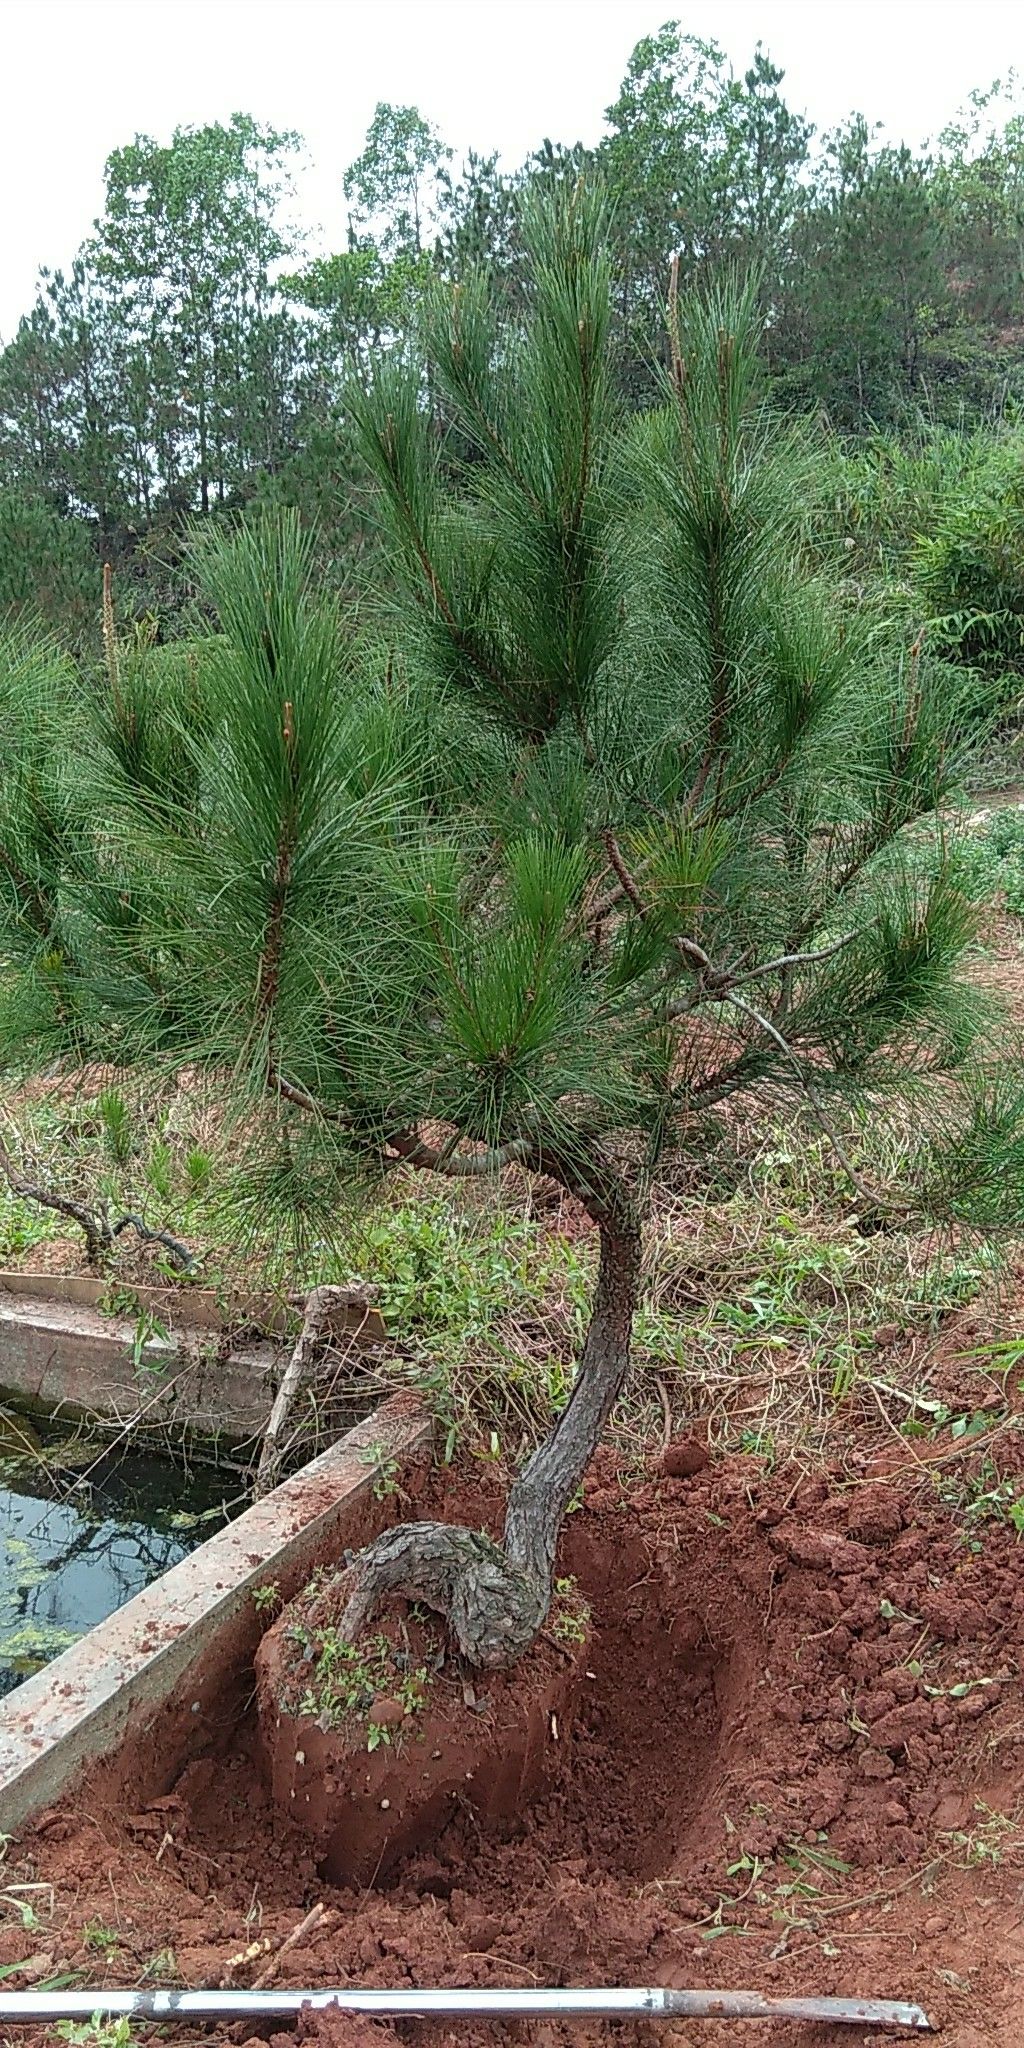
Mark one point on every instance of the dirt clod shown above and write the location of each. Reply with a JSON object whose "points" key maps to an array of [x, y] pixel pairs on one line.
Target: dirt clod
{"points": [[684, 1457]]}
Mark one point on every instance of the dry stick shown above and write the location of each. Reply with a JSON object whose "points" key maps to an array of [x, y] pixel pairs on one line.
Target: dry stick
{"points": [[253, 1953], [292, 1940], [319, 1303]]}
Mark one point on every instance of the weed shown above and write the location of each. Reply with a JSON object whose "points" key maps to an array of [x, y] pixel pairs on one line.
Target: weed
{"points": [[116, 1119], [758, 1443], [97, 1935], [162, 1968], [990, 1840], [570, 1614], [339, 1681], [198, 1170], [119, 1301], [22, 1227], [267, 1597], [148, 1329], [983, 1496], [97, 2032], [385, 1472], [160, 1170]]}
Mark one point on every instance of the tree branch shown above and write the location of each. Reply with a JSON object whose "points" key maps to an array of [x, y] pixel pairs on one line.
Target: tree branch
{"points": [[98, 1235], [183, 1258], [720, 983], [870, 1194], [412, 1150], [713, 981], [784, 961], [299, 1098]]}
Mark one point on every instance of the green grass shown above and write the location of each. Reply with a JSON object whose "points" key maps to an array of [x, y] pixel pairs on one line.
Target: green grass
{"points": [[761, 1302]]}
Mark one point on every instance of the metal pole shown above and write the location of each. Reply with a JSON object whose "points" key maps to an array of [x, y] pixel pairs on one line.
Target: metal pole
{"points": [[653, 2004]]}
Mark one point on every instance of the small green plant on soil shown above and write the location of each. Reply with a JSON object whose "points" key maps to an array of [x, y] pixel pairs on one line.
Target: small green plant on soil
{"points": [[336, 1682], [989, 1839], [983, 1496], [160, 1170], [98, 2032], [148, 1328], [198, 1169], [267, 1597], [117, 1300], [118, 1129], [162, 1968], [570, 1614], [385, 1472], [97, 1935], [22, 1226]]}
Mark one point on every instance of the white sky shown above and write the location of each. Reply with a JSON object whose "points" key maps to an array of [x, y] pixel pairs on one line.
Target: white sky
{"points": [[81, 77]]}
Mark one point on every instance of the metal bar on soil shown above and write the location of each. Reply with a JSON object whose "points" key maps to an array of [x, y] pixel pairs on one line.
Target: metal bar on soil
{"points": [[653, 2004]]}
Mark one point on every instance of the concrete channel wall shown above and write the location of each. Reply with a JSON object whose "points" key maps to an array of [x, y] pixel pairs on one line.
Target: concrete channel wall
{"points": [[154, 1686], [179, 1367]]}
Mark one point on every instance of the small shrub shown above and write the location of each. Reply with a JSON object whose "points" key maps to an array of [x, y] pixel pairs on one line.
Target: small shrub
{"points": [[160, 1170], [970, 574], [198, 1170], [115, 1117]]}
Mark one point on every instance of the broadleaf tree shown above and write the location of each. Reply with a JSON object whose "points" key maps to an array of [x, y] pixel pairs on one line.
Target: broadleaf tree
{"points": [[604, 826]]}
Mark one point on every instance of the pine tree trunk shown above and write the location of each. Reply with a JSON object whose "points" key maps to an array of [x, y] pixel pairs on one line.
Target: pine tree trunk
{"points": [[494, 1598]]}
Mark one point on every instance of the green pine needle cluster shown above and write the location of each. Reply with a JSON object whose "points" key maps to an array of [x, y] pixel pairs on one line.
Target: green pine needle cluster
{"points": [[604, 817]]}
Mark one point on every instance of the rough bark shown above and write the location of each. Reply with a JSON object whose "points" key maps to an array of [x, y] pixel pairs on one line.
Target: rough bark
{"points": [[494, 1598]]}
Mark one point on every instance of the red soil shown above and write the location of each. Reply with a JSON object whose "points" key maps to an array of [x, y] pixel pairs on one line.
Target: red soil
{"points": [[491, 1751], [801, 1692]]}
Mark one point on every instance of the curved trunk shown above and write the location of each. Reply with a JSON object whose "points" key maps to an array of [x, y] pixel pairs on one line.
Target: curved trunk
{"points": [[495, 1598]]}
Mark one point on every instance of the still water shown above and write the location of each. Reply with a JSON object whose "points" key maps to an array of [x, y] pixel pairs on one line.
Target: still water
{"points": [[83, 1527]]}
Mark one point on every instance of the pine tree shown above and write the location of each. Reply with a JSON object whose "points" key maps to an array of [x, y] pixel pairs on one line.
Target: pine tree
{"points": [[606, 827]]}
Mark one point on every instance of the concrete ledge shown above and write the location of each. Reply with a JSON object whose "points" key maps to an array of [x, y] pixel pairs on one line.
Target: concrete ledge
{"points": [[152, 1688], [203, 1308], [59, 1352]]}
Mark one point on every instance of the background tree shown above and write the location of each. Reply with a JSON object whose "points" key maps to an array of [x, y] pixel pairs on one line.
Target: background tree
{"points": [[766, 146], [866, 282], [663, 162], [187, 360], [605, 829], [393, 185], [187, 241]]}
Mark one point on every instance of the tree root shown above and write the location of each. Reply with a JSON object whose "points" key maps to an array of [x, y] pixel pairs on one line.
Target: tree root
{"points": [[493, 1608]]}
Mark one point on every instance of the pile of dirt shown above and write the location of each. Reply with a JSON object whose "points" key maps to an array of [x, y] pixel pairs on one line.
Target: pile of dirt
{"points": [[796, 1766]]}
